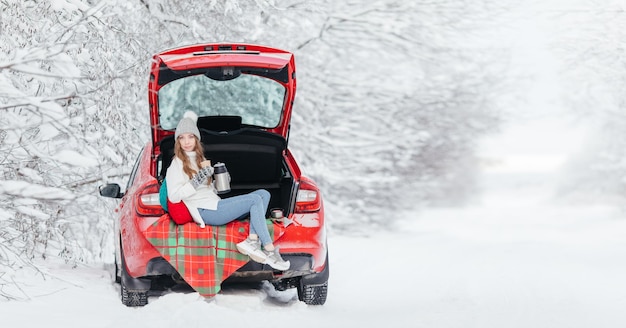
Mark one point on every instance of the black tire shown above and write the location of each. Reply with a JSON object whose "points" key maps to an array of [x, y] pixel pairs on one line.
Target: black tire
{"points": [[313, 294], [134, 291], [313, 289], [134, 298]]}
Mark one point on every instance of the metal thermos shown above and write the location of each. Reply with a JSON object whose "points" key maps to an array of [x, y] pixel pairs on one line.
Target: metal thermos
{"points": [[221, 178], [277, 214]]}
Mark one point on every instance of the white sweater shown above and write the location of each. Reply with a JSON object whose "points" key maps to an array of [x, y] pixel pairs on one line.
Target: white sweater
{"points": [[179, 188]]}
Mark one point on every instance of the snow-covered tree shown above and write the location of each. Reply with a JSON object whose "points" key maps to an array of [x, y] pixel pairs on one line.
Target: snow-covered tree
{"points": [[67, 121], [588, 38], [395, 94], [392, 96]]}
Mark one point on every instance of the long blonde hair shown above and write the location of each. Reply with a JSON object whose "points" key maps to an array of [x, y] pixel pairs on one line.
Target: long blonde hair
{"points": [[180, 153]]}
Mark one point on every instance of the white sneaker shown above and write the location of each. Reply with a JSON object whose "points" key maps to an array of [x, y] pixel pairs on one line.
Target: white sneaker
{"points": [[274, 260], [252, 248]]}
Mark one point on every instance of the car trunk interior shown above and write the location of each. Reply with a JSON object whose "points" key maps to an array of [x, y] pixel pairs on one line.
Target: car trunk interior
{"points": [[253, 158]]}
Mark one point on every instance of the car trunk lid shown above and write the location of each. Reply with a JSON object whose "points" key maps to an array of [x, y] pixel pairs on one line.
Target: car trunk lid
{"points": [[251, 83]]}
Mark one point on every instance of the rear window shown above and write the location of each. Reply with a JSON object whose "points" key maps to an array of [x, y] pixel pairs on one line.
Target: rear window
{"points": [[258, 100]]}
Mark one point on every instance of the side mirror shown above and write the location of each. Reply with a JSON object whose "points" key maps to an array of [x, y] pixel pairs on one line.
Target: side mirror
{"points": [[111, 190]]}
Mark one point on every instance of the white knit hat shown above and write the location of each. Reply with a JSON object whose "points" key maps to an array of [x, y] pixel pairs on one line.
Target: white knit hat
{"points": [[188, 124]]}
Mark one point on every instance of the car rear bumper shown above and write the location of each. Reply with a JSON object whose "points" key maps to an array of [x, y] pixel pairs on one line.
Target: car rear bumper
{"points": [[301, 265]]}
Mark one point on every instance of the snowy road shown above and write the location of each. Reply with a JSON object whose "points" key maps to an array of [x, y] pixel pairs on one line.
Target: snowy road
{"points": [[512, 260]]}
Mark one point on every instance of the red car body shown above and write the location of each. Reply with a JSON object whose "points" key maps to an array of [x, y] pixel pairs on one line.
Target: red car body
{"points": [[138, 263]]}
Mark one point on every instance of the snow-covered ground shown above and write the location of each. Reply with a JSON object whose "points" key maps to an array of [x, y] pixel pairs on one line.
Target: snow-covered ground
{"points": [[514, 258]]}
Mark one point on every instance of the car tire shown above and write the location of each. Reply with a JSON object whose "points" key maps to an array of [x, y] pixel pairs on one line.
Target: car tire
{"points": [[134, 291], [313, 289], [313, 294], [133, 298]]}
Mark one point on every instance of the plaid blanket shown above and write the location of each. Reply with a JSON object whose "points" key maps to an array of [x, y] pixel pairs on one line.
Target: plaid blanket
{"points": [[204, 257]]}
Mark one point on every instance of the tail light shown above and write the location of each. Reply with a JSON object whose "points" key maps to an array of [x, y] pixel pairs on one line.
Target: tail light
{"points": [[148, 203], [308, 198]]}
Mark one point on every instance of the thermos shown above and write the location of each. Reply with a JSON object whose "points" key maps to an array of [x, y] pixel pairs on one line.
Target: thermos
{"points": [[277, 214], [221, 178]]}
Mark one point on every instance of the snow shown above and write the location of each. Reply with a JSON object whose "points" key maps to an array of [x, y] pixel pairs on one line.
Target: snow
{"points": [[518, 255], [514, 258], [27, 190], [76, 159]]}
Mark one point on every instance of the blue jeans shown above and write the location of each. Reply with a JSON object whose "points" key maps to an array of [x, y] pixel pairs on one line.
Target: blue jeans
{"points": [[236, 207]]}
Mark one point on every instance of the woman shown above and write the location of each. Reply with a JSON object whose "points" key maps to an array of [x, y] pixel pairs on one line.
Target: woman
{"points": [[189, 180]]}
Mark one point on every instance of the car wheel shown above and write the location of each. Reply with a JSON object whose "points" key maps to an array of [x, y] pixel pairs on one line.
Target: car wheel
{"points": [[133, 298], [313, 289], [134, 291], [313, 294]]}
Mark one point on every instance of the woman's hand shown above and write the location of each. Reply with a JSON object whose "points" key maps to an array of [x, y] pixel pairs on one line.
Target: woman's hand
{"points": [[202, 176], [205, 163]]}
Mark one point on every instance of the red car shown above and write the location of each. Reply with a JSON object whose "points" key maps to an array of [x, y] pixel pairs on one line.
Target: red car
{"points": [[243, 95]]}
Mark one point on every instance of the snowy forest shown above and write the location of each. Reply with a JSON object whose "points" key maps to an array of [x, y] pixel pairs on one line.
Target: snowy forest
{"points": [[393, 97]]}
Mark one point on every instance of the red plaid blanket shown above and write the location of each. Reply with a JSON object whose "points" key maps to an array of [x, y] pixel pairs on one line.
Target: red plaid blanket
{"points": [[204, 257]]}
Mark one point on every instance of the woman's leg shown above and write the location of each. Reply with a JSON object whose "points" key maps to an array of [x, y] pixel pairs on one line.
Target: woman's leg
{"points": [[258, 224], [265, 195], [232, 208]]}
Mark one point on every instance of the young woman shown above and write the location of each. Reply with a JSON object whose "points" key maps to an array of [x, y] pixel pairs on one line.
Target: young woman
{"points": [[189, 180]]}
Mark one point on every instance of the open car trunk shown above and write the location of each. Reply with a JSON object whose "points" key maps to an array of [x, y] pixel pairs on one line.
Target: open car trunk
{"points": [[253, 157]]}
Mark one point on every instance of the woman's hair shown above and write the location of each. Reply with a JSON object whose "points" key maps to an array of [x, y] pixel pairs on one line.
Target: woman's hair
{"points": [[180, 153]]}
